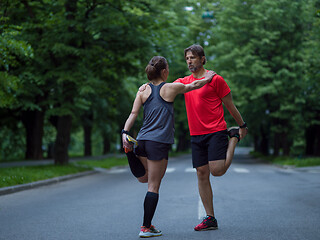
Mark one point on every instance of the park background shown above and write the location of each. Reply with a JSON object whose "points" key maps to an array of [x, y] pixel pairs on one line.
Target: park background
{"points": [[70, 69]]}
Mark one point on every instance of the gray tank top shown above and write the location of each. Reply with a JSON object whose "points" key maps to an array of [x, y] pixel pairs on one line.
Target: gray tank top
{"points": [[158, 118]]}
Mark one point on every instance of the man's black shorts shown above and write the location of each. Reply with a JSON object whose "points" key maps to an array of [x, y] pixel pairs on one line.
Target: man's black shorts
{"points": [[209, 147], [152, 150]]}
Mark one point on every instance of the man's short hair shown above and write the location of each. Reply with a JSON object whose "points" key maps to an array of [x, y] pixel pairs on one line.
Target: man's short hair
{"points": [[196, 50]]}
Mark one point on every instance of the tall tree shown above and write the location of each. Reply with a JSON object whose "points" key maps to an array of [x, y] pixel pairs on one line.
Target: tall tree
{"points": [[258, 48], [311, 86]]}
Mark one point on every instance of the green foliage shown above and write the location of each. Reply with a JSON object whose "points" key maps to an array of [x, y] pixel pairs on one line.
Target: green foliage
{"points": [[12, 50], [87, 60], [259, 50], [8, 86], [12, 53], [12, 142]]}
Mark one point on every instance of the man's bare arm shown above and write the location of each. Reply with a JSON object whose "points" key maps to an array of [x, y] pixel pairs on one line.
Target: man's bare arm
{"points": [[227, 100], [183, 88]]}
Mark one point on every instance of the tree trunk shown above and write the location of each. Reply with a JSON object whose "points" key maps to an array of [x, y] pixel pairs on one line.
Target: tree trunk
{"points": [[317, 141], [61, 156], [276, 144], [87, 140], [33, 121], [264, 144], [50, 151], [310, 137], [256, 143], [285, 144], [63, 123], [313, 140], [87, 122], [106, 144]]}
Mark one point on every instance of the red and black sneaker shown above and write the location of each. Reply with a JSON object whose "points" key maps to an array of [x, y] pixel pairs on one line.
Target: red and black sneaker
{"points": [[208, 223]]}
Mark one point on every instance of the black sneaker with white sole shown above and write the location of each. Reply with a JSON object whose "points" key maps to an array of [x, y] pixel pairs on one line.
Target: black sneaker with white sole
{"points": [[234, 132]]}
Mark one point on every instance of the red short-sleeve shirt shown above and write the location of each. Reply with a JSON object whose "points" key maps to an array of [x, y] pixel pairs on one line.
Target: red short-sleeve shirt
{"points": [[204, 105]]}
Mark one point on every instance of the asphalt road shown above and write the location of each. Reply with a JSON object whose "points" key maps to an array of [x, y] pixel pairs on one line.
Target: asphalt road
{"points": [[252, 201]]}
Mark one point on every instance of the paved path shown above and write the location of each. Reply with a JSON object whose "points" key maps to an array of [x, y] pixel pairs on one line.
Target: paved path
{"points": [[253, 200]]}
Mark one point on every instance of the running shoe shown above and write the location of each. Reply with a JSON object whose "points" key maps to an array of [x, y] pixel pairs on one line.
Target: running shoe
{"points": [[132, 141], [149, 232], [234, 132], [208, 223]]}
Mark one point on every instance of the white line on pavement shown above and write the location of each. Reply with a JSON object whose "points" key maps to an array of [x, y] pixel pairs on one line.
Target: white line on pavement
{"points": [[241, 170], [190, 170], [287, 170], [170, 170], [114, 171]]}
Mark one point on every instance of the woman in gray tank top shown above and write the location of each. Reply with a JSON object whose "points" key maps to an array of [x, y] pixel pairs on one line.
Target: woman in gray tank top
{"points": [[149, 160]]}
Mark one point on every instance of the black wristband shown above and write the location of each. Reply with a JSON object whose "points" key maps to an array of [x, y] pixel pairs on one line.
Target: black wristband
{"points": [[124, 131], [244, 125]]}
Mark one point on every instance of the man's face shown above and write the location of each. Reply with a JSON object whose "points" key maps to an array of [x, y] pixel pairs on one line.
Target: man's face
{"points": [[193, 61]]}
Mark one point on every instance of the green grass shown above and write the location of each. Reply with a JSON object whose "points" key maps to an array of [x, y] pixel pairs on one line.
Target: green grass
{"points": [[291, 161], [297, 162], [21, 175], [104, 163]]}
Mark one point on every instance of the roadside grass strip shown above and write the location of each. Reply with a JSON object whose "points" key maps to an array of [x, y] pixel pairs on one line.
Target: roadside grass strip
{"points": [[22, 175], [104, 163], [298, 162], [289, 160], [12, 176]]}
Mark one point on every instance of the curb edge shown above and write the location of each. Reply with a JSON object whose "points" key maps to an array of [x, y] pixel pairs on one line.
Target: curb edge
{"points": [[26, 186]]}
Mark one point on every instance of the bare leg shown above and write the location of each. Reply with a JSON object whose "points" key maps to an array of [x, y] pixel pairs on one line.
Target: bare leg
{"points": [[156, 171], [220, 167], [205, 189]]}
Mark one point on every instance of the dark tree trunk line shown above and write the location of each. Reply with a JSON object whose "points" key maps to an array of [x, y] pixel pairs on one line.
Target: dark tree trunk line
{"points": [[87, 124], [61, 145], [64, 122], [33, 122], [313, 140]]}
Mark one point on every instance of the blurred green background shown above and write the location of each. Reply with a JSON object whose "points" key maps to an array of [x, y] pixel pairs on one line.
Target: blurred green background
{"points": [[70, 69]]}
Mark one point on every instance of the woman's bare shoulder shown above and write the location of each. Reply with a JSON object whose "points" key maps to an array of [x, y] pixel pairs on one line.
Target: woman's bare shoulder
{"points": [[144, 94]]}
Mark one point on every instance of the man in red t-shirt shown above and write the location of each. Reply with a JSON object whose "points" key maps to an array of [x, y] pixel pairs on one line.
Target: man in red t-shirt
{"points": [[212, 152]]}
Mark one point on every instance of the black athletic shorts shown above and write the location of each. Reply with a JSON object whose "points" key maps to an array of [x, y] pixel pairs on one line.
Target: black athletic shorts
{"points": [[152, 150], [209, 147]]}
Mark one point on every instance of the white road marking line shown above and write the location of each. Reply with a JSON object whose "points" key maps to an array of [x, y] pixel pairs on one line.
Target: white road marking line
{"points": [[201, 211], [190, 170], [265, 171], [170, 170], [115, 171], [241, 170], [112, 171], [287, 170]]}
